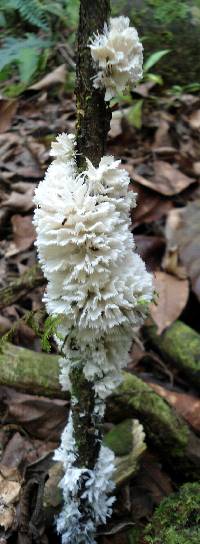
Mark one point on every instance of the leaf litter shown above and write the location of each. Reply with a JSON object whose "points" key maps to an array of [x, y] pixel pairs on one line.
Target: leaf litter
{"points": [[162, 159]]}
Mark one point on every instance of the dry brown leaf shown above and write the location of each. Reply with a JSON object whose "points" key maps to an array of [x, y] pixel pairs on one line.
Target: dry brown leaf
{"points": [[196, 168], [115, 125], [56, 76], [151, 249], [23, 233], [41, 417], [20, 202], [162, 137], [171, 261], [172, 298], [150, 206], [5, 324], [144, 88], [186, 405], [183, 233], [167, 180], [22, 186], [15, 451], [30, 170], [8, 109], [10, 485], [194, 120], [151, 485]]}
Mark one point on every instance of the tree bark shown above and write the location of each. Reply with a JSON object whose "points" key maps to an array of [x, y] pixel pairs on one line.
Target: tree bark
{"points": [[93, 118], [93, 114]]}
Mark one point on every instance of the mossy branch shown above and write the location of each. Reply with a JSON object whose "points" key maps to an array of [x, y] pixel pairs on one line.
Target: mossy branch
{"points": [[177, 445], [179, 346]]}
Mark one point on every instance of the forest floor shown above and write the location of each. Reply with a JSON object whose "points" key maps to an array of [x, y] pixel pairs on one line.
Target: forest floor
{"points": [[162, 157]]}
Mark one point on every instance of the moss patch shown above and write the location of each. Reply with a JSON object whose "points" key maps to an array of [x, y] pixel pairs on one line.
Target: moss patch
{"points": [[120, 438], [177, 519], [180, 345], [29, 371], [159, 420]]}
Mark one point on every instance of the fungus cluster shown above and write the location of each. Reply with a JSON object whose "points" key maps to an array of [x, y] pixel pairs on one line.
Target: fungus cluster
{"points": [[97, 284], [118, 56]]}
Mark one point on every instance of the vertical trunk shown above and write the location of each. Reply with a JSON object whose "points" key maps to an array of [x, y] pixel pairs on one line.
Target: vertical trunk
{"points": [[93, 114], [93, 121]]}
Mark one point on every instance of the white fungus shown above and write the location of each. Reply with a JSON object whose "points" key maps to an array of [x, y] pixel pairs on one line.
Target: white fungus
{"points": [[99, 288], [117, 53], [71, 523], [97, 284]]}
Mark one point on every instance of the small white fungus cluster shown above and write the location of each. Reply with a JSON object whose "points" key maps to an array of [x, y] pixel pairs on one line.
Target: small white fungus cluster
{"points": [[72, 524], [97, 284], [117, 52]]}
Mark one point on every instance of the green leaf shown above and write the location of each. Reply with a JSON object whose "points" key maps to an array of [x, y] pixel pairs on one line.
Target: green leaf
{"points": [[134, 114], [29, 10], [23, 53], [155, 78], [14, 90], [154, 58], [28, 64], [3, 22], [57, 10], [192, 87], [50, 328], [72, 9], [176, 89], [124, 98]]}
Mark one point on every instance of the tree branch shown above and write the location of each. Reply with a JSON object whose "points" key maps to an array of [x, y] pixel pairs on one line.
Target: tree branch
{"points": [[93, 114], [93, 118]]}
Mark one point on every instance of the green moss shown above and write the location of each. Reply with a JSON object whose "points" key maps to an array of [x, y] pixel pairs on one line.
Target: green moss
{"points": [[28, 370], [177, 519], [180, 345], [160, 421], [134, 535], [120, 438], [184, 343]]}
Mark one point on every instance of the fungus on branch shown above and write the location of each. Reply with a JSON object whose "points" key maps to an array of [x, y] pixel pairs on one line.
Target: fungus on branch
{"points": [[117, 53], [97, 285]]}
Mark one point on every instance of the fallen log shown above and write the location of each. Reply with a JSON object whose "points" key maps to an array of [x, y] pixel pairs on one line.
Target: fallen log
{"points": [[22, 285], [168, 433], [29, 371], [165, 431], [180, 346]]}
